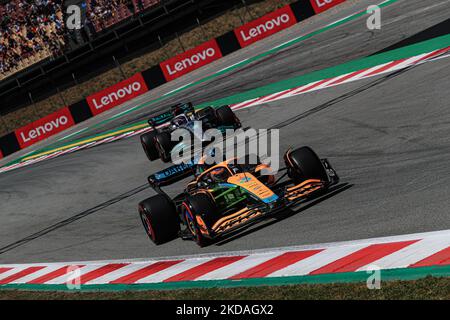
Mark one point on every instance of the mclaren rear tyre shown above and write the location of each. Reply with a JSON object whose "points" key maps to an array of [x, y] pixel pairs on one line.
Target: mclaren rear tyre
{"points": [[160, 219], [304, 164], [148, 144]]}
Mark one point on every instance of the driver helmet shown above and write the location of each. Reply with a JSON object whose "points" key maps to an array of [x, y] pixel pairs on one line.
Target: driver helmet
{"points": [[179, 121], [219, 174]]}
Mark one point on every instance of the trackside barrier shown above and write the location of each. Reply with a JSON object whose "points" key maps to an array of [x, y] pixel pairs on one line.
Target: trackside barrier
{"points": [[44, 128], [265, 26], [320, 6], [166, 71], [9, 144], [117, 94], [191, 60]]}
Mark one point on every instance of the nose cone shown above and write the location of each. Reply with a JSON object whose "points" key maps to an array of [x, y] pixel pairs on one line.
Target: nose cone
{"points": [[252, 185]]}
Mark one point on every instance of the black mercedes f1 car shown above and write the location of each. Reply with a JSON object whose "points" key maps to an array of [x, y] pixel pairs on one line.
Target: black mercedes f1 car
{"points": [[158, 144]]}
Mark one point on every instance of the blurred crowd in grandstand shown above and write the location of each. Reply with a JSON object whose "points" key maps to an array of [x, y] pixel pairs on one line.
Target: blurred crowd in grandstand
{"points": [[33, 30], [101, 14], [27, 28]]}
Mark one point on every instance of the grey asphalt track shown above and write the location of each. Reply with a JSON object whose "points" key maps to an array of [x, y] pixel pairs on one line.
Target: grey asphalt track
{"points": [[347, 42], [388, 137]]}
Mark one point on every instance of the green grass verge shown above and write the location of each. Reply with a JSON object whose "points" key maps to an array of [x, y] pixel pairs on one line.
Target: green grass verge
{"points": [[349, 277], [427, 288]]}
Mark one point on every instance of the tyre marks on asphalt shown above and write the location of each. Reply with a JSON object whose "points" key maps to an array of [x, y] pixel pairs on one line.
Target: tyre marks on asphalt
{"points": [[72, 219]]}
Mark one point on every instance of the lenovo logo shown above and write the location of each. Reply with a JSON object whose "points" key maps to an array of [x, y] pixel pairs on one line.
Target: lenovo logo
{"points": [[265, 26], [323, 5], [191, 60], [44, 128], [117, 94]]}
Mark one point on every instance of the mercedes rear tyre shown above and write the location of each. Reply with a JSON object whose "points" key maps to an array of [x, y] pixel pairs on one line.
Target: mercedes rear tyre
{"points": [[226, 117], [164, 146], [148, 144]]}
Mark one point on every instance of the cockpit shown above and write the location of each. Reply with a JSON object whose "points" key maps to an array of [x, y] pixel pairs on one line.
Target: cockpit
{"points": [[179, 121], [218, 174]]}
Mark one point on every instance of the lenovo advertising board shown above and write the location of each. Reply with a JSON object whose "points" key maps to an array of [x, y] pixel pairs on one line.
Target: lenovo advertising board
{"points": [[265, 26], [191, 60], [117, 94], [323, 5], [44, 128]]}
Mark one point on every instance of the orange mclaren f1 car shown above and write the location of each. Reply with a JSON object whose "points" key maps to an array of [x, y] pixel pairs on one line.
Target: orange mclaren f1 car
{"points": [[229, 196]]}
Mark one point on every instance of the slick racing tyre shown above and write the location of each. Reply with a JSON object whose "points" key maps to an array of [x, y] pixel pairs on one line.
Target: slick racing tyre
{"points": [[164, 146], [304, 164], [160, 219], [148, 144], [207, 112], [208, 117], [226, 117], [203, 206]]}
